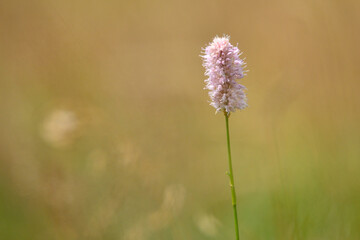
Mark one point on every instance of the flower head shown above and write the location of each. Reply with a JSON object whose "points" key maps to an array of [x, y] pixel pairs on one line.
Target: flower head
{"points": [[223, 67]]}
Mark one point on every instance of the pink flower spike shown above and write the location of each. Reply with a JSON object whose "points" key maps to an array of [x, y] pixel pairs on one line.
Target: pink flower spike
{"points": [[223, 67]]}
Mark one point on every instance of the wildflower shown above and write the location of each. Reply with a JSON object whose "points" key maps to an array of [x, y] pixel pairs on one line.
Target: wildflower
{"points": [[223, 67]]}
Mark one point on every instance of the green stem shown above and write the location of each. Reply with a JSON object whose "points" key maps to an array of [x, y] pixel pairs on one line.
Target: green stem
{"points": [[231, 176]]}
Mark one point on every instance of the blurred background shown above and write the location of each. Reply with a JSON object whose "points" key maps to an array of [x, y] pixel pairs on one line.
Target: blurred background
{"points": [[106, 131]]}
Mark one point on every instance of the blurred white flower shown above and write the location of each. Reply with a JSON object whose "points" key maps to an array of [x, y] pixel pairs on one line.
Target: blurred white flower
{"points": [[59, 127], [208, 224], [174, 197]]}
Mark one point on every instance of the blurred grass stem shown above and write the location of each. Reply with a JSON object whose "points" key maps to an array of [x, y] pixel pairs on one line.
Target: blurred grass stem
{"points": [[231, 176]]}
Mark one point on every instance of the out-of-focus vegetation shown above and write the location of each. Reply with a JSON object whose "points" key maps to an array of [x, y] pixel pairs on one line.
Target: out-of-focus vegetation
{"points": [[106, 132]]}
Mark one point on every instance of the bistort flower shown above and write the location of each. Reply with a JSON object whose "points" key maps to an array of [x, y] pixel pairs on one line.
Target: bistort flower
{"points": [[223, 67]]}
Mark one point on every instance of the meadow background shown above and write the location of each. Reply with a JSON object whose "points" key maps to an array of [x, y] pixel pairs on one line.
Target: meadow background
{"points": [[106, 131]]}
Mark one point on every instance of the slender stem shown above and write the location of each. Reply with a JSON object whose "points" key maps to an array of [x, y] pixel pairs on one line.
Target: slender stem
{"points": [[231, 176]]}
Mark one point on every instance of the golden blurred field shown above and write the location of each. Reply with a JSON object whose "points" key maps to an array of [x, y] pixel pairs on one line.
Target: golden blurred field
{"points": [[106, 132]]}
